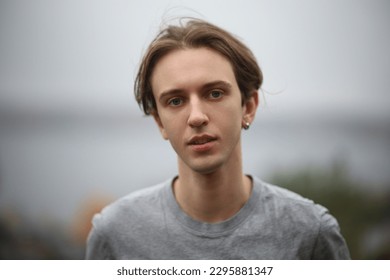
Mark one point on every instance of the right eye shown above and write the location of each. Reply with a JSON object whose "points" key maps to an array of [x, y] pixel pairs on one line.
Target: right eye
{"points": [[174, 102]]}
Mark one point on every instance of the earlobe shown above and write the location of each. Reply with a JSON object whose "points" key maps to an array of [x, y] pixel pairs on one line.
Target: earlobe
{"points": [[160, 125]]}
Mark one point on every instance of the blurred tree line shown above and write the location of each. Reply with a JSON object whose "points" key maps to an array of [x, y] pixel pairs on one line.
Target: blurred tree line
{"points": [[20, 239], [362, 210]]}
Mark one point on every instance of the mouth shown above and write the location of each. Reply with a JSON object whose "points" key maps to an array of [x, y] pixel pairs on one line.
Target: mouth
{"points": [[201, 140], [202, 143]]}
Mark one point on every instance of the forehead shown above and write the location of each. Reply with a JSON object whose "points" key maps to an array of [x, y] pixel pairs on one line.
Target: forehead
{"points": [[189, 68]]}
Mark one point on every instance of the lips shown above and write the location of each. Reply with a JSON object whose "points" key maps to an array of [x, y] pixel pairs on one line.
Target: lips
{"points": [[202, 143], [200, 140]]}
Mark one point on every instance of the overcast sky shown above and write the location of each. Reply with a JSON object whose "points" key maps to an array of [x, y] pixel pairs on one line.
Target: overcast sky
{"points": [[318, 57]]}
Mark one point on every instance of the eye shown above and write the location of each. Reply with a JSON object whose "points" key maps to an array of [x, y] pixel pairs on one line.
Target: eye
{"points": [[215, 94], [176, 101]]}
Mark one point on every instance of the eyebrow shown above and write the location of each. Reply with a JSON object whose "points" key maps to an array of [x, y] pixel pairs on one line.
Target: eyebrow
{"points": [[206, 86]]}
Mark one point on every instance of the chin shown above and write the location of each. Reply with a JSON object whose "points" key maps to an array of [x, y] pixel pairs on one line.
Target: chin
{"points": [[206, 168]]}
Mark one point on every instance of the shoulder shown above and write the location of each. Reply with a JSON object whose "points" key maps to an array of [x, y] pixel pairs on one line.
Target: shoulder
{"points": [[124, 222], [302, 216], [285, 200], [133, 208], [142, 197], [290, 207]]}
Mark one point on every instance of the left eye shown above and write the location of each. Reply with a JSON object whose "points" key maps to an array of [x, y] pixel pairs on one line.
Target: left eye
{"points": [[215, 94]]}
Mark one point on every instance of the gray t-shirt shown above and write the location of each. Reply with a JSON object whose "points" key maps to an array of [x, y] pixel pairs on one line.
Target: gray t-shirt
{"points": [[274, 224]]}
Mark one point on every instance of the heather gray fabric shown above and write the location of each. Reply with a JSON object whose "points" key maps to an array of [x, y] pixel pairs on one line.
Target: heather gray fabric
{"points": [[274, 224]]}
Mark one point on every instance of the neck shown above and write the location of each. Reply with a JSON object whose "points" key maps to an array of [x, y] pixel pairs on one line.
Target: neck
{"points": [[215, 196]]}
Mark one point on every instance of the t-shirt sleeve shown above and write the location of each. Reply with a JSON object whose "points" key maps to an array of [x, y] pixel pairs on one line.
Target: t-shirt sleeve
{"points": [[330, 244], [97, 245]]}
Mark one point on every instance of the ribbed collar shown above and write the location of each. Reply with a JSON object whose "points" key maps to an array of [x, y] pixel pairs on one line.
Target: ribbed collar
{"points": [[209, 229]]}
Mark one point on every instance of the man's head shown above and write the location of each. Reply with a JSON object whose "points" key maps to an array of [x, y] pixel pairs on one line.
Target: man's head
{"points": [[191, 35]]}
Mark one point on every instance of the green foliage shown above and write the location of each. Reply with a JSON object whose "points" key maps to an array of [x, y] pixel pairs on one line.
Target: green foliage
{"points": [[357, 208]]}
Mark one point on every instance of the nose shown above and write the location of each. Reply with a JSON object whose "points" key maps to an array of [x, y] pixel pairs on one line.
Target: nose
{"points": [[197, 115]]}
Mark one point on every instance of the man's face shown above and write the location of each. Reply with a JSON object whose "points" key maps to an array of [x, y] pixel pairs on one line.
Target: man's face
{"points": [[199, 108]]}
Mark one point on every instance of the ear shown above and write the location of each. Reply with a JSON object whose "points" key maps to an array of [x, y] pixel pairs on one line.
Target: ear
{"points": [[160, 125], [250, 107]]}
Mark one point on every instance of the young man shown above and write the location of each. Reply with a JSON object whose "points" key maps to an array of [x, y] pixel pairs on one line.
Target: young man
{"points": [[200, 85]]}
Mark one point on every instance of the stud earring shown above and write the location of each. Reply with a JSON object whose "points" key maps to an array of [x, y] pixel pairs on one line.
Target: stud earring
{"points": [[246, 125]]}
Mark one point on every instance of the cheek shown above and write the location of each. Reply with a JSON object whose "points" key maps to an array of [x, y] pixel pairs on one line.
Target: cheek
{"points": [[171, 127], [231, 115]]}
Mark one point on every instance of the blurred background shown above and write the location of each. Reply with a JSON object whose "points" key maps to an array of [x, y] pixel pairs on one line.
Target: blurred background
{"points": [[73, 139]]}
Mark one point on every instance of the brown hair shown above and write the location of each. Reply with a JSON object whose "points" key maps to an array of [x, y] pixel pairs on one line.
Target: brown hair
{"points": [[196, 33]]}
